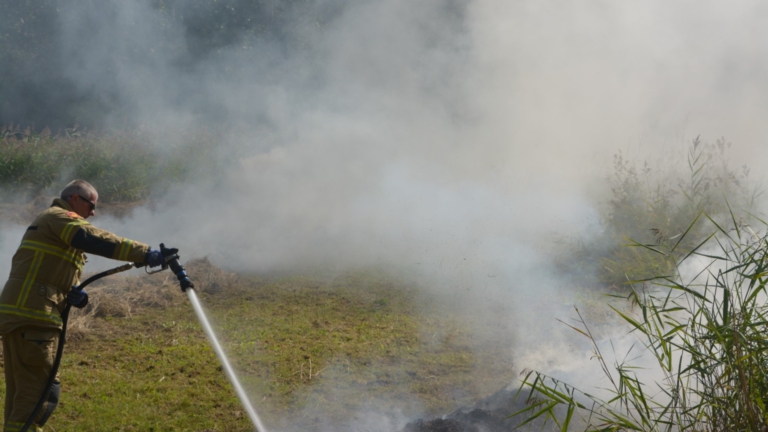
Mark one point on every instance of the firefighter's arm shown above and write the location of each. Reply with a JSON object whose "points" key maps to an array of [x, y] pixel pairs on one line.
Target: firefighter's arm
{"points": [[76, 232], [103, 243]]}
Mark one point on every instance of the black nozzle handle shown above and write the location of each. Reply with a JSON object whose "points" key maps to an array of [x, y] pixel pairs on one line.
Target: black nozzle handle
{"points": [[172, 261]]}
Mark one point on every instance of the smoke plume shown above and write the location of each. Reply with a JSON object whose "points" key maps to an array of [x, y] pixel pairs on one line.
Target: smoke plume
{"points": [[449, 141]]}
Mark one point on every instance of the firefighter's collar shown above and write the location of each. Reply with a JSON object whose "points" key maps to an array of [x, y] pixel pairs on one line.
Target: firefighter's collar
{"points": [[58, 202]]}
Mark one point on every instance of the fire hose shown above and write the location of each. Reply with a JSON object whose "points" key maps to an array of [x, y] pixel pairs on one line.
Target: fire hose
{"points": [[171, 259]]}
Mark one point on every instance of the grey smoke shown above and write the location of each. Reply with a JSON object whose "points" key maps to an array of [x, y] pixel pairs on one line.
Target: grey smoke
{"points": [[449, 141]]}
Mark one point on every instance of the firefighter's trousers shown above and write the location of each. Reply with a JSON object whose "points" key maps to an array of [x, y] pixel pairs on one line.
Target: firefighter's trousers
{"points": [[29, 354]]}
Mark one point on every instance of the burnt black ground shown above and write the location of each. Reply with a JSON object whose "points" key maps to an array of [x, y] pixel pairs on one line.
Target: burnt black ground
{"points": [[489, 415]]}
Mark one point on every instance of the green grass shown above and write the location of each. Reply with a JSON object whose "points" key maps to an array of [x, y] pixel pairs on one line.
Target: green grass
{"points": [[362, 337], [157, 376], [369, 344]]}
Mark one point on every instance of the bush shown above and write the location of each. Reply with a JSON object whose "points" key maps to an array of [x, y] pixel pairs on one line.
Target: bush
{"points": [[653, 204], [119, 164]]}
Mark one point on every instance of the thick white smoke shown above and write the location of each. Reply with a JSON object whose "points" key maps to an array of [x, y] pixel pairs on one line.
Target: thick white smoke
{"points": [[449, 140]]}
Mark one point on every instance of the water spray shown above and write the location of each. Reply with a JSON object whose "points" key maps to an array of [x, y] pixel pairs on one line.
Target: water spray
{"points": [[171, 260], [224, 361]]}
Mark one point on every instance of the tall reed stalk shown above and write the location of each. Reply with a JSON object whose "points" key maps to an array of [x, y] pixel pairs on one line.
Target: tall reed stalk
{"points": [[708, 338]]}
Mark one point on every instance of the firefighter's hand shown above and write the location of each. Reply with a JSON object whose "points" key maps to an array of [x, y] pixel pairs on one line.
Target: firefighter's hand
{"points": [[154, 258], [77, 298]]}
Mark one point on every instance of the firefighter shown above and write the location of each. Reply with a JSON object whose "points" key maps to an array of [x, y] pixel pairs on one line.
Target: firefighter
{"points": [[47, 264]]}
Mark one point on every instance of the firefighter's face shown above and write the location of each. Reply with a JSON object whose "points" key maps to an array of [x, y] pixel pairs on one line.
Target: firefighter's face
{"points": [[85, 205]]}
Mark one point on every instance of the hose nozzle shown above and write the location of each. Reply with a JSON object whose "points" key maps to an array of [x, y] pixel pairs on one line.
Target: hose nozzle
{"points": [[172, 260]]}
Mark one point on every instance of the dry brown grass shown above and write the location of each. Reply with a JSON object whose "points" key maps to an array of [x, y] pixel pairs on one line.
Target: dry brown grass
{"points": [[119, 297], [213, 280]]}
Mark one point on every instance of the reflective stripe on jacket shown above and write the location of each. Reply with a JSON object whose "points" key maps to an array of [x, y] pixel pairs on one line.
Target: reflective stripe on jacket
{"points": [[46, 266]]}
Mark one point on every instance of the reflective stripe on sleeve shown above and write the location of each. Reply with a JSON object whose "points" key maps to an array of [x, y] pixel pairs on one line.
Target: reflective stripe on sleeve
{"points": [[69, 230], [125, 249]]}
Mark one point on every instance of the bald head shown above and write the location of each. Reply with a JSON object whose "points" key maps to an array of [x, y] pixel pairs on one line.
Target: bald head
{"points": [[78, 187]]}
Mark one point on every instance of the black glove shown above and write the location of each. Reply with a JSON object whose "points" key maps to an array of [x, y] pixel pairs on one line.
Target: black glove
{"points": [[77, 298]]}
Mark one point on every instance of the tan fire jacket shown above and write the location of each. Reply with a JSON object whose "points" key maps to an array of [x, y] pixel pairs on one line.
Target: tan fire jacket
{"points": [[46, 266]]}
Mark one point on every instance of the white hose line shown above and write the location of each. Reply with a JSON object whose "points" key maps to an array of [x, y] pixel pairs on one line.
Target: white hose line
{"points": [[225, 363]]}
